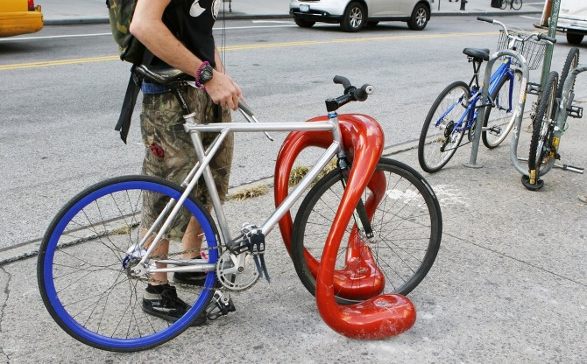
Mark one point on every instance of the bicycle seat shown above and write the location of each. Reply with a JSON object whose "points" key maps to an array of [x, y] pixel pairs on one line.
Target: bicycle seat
{"points": [[162, 75], [480, 54]]}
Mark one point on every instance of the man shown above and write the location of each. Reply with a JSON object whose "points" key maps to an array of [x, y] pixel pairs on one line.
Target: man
{"points": [[179, 34]]}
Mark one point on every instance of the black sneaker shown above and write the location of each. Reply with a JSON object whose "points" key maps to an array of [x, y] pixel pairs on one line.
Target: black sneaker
{"points": [[162, 301], [190, 278]]}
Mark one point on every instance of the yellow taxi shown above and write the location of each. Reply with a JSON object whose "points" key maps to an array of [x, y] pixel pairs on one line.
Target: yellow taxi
{"points": [[19, 17]]}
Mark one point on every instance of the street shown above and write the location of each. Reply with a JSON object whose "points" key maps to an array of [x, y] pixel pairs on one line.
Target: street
{"points": [[62, 89]]}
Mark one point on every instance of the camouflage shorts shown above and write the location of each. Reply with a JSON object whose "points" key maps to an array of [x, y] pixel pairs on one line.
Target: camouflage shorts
{"points": [[169, 151]]}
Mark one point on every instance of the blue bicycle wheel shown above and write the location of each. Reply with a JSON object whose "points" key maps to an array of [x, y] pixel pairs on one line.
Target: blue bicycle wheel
{"points": [[84, 268]]}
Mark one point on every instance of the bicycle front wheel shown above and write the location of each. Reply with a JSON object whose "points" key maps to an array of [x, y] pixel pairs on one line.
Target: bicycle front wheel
{"points": [[85, 267], [406, 221], [444, 127], [499, 119], [516, 4], [541, 156]]}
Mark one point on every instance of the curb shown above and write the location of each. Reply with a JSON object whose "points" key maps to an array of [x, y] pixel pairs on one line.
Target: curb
{"points": [[105, 20]]}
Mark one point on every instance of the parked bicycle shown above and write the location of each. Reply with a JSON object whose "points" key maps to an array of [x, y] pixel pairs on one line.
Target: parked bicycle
{"points": [[95, 259], [550, 122], [456, 110], [514, 4]]}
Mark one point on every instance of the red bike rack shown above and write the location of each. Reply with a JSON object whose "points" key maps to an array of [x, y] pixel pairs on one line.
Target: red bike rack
{"points": [[379, 315]]}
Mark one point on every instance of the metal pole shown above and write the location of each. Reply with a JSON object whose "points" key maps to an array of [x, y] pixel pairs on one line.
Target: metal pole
{"points": [[463, 2], [554, 11]]}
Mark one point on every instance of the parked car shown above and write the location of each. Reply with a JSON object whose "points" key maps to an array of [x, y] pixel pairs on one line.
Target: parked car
{"points": [[352, 15], [573, 19], [19, 17]]}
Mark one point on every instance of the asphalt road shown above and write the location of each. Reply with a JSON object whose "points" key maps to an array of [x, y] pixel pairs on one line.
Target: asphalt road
{"points": [[61, 90]]}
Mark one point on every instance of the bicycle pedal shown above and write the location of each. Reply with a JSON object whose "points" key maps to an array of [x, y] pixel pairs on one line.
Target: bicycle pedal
{"points": [[533, 88], [221, 305], [575, 112]]}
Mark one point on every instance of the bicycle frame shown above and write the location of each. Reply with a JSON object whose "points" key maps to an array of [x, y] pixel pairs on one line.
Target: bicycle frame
{"points": [[471, 112], [518, 112], [202, 169]]}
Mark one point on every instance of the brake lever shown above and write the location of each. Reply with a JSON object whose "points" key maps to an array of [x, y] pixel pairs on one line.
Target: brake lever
{"points": [[246, 111]]}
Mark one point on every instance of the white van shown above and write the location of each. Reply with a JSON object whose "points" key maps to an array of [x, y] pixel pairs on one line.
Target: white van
{"points": [[572, 18]]}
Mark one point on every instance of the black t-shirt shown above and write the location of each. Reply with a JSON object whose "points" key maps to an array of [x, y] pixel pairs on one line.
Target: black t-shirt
{"points": [[192, 21]]}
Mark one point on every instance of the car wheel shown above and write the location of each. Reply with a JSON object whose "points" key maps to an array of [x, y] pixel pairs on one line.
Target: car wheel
{"points": [[304, 23], [355, 16], [574, 38], [419, 17]]}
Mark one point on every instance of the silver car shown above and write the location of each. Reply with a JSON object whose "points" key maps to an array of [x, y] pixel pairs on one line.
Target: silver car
{"points": [[355, 14]]}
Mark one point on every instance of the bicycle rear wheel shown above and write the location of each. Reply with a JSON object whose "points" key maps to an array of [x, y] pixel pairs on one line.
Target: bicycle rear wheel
{"points": [[540, 158], [504, 4], [570, 63], [499, 119], [442, 133], [516, 4], [84, 268], [406, 220]]}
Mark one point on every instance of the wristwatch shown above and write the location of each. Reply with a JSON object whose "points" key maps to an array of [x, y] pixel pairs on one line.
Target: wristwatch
{"points": [[204, 74]]}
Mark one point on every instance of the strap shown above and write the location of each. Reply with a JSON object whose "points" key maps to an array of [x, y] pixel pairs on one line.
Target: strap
{"points": [[130, 98]]}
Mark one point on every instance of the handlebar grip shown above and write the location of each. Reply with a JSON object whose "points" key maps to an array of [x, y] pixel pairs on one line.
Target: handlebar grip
{"points": [[245, 108], [546, 37], [361, 94], [340, 80], [485, 19]]}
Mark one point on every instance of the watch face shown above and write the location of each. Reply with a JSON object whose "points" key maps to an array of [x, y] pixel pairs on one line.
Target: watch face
{"points": [[206, 74]]}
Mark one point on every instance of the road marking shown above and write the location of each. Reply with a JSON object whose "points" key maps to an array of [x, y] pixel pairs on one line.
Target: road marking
{"points": [[285, 24], [529, 17], [3, 40], [272, 21], [243, 47]]}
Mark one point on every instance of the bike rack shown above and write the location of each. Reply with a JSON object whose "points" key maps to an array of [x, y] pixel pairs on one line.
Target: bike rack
{"points": [[379, 315], [518, 114]]}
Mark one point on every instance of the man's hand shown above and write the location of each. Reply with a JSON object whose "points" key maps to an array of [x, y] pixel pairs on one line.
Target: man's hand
{"points": [[223, 91]]}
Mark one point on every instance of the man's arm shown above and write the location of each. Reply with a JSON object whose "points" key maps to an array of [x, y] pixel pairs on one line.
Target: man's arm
{"points": [[148, 27], [218, 61]]}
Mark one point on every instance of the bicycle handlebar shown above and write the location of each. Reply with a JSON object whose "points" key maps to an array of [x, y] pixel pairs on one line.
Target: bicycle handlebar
{"points": [[351, 93], [538, 36], [547, 38], [485, 19]]}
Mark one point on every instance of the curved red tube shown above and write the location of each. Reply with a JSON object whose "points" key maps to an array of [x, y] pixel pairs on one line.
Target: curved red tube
{"points": [[379, 316]]}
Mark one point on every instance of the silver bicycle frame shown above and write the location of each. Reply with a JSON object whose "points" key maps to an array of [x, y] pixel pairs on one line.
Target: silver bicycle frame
{"points": [[202, 168]]}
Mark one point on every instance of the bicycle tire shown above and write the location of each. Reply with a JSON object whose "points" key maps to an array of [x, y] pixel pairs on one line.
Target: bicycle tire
{"points": [[443, 139], [76, 243], [504, 4], [570, 63], [542, 127], [516, 4], [416, 209], [504, 111]]}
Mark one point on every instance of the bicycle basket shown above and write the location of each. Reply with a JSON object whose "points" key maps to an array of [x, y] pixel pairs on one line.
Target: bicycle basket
{"points": [[533, 50]]}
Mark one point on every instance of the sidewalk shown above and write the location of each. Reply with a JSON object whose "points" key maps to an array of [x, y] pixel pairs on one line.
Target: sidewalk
{"points": [[61, 12], [509, 284]]}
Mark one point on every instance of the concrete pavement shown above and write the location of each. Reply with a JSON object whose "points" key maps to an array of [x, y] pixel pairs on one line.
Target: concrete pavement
{"points": [[59, 12], [509, 284]]}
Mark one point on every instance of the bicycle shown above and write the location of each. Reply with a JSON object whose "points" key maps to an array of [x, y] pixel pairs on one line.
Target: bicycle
{"points": [[550, 122], [95, 261], [456, 109], [514, 4]]}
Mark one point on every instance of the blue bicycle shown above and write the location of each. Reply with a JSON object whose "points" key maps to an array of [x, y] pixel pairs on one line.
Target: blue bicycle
{"points": [[456, 109]]}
